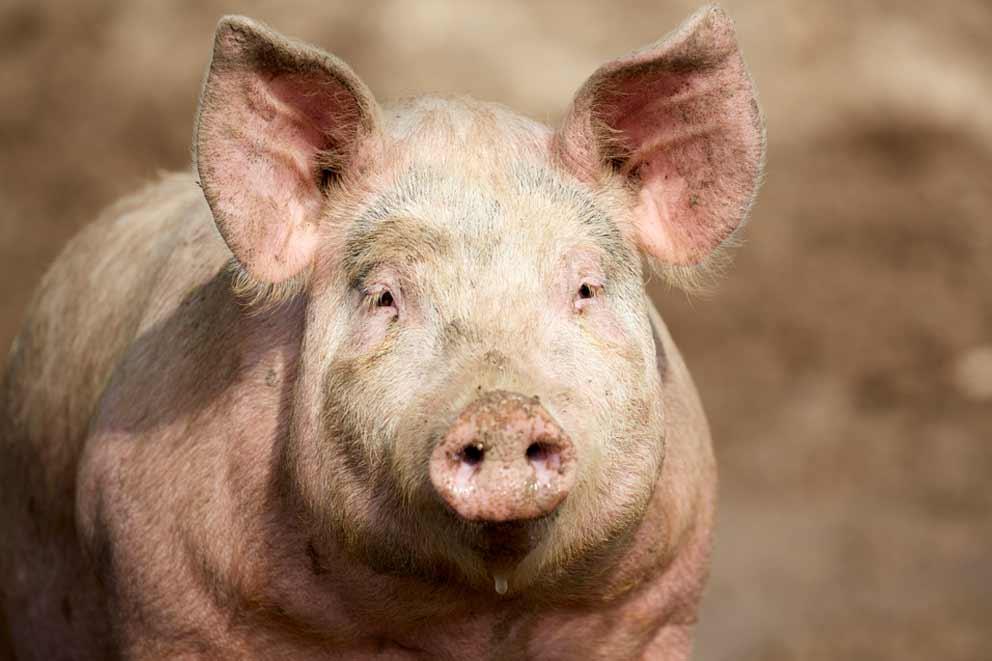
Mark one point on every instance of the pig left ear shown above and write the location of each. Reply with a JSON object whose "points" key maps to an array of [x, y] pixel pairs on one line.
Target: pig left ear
{"points": [[680, 122], [278, 119]]}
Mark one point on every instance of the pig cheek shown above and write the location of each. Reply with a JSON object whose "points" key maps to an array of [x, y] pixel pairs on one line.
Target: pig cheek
{"points": [[606, 328], [619, 393], [369, 334], [585, 369], [611, 339]]}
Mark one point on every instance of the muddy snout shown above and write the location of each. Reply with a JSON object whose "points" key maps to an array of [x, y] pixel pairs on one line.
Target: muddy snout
{"points": [[503, 459]]}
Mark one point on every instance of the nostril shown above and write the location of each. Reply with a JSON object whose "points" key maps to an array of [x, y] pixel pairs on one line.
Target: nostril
{"points": [[538, 452], [545, 457], [473, 454]]}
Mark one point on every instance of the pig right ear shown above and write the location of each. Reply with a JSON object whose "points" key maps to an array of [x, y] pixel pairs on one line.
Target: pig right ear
{"points": [[277, 121], [678, 121]]}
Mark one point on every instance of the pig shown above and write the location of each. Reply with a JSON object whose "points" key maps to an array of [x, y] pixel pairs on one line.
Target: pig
{"points": [[382, 381]]}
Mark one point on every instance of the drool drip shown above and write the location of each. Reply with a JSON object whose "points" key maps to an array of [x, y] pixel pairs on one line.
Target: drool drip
{"points": [[501, 583]]}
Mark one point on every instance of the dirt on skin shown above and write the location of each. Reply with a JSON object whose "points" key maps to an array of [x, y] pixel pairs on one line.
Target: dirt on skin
{"points": [[846, 358]]}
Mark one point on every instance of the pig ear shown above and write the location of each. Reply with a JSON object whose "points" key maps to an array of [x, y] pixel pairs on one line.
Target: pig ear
{"points": [[680, 122], [278, 120]]}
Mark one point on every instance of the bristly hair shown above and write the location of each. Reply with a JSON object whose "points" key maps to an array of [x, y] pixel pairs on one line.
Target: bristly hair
{"points": [[258, 296], [699, 279]]}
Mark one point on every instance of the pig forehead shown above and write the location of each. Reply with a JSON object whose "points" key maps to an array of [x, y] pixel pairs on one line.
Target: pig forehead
{"points": [[479, 179], [525, 208], [478, 157]]}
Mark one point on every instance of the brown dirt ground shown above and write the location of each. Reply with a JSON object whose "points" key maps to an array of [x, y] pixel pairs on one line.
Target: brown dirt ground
{"points": [[846, 359]]}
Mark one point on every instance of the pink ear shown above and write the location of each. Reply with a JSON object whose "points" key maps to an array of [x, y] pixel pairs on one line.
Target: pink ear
{"points": [[680, 121], [273, 115]]}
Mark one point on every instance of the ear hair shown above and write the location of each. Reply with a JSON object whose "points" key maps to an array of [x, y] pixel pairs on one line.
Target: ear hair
{"points": [[679, 125], [258, 296]]}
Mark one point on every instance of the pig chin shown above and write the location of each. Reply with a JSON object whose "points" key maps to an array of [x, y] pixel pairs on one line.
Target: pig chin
{"points": [[504, 556]]}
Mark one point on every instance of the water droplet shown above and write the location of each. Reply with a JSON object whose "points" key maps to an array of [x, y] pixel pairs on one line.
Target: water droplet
{"points": [[501, 584]]}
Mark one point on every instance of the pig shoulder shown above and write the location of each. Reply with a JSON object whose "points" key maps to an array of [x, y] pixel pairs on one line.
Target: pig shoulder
{"points": [[177, 477], [83, 328]]}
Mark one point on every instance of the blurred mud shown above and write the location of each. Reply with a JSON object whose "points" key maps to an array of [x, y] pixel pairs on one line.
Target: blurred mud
{"points": [[846, 359]]}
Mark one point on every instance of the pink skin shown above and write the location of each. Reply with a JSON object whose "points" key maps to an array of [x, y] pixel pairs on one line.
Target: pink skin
{"points": [[454, 429]]}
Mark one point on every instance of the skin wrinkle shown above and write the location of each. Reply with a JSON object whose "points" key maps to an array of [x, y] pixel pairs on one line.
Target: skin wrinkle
{"points": [[661, 359]]}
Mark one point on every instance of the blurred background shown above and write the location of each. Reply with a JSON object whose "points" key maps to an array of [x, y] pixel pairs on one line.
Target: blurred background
{"points": [[846, 359]]}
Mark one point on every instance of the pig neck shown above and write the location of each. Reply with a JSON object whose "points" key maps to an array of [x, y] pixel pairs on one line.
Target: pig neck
{"points": [[328, 597]]}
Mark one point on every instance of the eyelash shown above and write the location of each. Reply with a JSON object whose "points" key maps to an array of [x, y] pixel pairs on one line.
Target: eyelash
{"points": [[587, 293], [381, 298], [384, 299]]}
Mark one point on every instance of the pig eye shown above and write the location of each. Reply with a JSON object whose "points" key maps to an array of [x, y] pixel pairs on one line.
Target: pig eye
{"points": [[380, 298], [384, 299], [586, 293]]}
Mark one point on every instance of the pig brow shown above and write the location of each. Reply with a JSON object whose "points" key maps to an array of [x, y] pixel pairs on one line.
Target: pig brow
{"points": [[397, 240]]}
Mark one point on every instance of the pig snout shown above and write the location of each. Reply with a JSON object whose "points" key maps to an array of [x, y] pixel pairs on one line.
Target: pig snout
{"points": [[503, 459]]}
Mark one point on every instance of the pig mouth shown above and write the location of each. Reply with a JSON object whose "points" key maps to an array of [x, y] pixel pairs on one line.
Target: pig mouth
{"points": [[507, 541]]}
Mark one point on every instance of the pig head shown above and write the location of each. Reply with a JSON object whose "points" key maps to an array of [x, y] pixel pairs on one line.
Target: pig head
{"points": [[478, 397]]}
